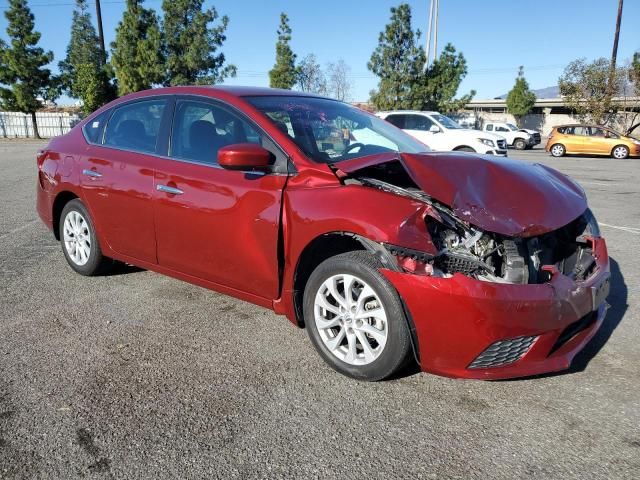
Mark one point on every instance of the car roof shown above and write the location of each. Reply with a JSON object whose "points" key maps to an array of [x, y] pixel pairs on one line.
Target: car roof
{"points": [[583, 125], [389, 112], [233, 90]]}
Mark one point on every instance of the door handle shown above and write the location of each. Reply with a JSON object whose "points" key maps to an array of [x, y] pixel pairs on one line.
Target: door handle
{"points": [[91, 173], [168, 189]]}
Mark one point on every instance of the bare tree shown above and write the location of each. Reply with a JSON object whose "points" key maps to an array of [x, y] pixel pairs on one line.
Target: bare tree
{"points": [[339, 85], [311, 78]]}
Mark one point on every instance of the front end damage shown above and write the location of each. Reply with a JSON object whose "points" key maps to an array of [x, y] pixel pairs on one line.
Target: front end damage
{"points": [[493, 304]]}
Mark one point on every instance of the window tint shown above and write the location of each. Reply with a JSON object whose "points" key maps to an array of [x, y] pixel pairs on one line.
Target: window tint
{"points": [[136, 126], [397, 120], [490, 127], [418, 122], [93, 129], [200, 129], [501, 129]]}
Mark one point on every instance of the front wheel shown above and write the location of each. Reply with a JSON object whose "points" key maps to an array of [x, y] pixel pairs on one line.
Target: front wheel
{"points": [[557, 150], [355, 318], [79, 240], [465, 149], [520, 144], [620, 152]]}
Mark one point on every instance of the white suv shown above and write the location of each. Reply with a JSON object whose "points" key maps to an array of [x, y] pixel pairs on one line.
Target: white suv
{"points": [[519, 138], [441, 133]]}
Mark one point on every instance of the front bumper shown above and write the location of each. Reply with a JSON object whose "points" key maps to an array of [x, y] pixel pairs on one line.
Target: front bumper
{"points": [[498, 152], [458, 318]]}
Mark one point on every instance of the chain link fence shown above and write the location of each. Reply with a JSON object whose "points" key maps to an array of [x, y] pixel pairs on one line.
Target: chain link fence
{"points": [[50, 124]]}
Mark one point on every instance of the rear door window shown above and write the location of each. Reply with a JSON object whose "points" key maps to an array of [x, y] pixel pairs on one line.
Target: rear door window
{"points": [[489, 127], [136, 126], [397, 120], [93, 129]]}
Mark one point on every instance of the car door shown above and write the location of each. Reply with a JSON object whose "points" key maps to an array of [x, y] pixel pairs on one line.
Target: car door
{"points": [[117, 177], [600, 141], [215, 224], [575, 139]]}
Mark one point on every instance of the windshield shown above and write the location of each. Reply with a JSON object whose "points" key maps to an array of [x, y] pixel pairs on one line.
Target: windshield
{"points": [[446, 122], [329, 131], [512, 127]]}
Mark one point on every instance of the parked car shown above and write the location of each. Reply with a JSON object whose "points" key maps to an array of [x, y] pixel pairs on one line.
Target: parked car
{"points": [[442, 134], [474, 266], [592, 140], [518, 138]]}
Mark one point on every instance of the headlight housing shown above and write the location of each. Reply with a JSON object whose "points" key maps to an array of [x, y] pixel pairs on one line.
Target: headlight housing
{"points": [[487, 142]]}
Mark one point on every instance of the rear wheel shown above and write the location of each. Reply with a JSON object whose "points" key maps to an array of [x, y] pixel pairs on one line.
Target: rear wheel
{"points": [[519, 144], [620, 152], [355, 318], [557, 150], [79, 241]]}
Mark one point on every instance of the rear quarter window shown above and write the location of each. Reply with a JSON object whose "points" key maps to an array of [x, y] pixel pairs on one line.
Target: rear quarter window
{"points": [[94, 128]]}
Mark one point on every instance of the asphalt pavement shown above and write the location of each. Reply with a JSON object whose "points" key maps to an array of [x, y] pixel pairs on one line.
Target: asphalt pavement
{"points": [[136, 375]]}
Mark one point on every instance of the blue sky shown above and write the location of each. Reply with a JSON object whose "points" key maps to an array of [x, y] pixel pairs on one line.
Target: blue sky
{"points": [[496, 36]]}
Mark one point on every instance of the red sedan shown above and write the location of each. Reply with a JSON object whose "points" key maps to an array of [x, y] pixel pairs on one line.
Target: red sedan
{"points": [[474, 266]]}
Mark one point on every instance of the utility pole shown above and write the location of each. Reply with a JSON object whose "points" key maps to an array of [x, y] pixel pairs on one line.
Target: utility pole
{"points": [[614, 53], [432, 33], [100, 32], [611, 84]]}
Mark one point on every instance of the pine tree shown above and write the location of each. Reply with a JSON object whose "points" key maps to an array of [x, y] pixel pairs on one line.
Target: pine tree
{"points": [[83, 73], [136, 53], [404, 83], [284, 73], [520, 100], [22, 64], [396, 61], [437, 86], [191, 45]]}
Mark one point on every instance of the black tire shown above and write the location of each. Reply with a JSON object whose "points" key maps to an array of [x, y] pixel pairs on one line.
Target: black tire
{"points": [[96, 262], [395, 354], [519, 144], [620, 148], [557, 150], [465, 149]]}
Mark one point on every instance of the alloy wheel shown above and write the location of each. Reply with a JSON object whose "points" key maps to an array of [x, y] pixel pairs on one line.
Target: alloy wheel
{"points": [[351, 319], [77, 238]]}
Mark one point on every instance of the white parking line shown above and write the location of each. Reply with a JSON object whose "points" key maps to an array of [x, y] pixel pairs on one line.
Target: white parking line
{"points": [[22, 227], [635, 231], [603, 184]]}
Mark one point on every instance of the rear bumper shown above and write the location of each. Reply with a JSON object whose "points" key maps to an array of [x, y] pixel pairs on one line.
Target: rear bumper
{"points": [[458, 318]]}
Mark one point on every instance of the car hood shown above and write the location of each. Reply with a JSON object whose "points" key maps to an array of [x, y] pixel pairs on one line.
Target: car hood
{"points": [[496, 194]]}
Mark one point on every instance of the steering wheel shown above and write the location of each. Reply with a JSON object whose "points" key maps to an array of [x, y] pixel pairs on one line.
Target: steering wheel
{"points": [[351, 147]]}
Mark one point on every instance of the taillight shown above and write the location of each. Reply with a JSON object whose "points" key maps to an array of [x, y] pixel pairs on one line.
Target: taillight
{"points": [[40, 156]]}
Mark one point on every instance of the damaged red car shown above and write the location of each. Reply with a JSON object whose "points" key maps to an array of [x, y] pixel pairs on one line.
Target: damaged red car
{"points": [[472, 266]]}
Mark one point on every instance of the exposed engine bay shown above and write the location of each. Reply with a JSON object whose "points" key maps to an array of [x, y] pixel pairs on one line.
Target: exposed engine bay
{"points": [[460, 247]]}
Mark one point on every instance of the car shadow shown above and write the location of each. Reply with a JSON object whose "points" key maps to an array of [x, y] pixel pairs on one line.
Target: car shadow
{"points": [[617, 299], [120, 268]]}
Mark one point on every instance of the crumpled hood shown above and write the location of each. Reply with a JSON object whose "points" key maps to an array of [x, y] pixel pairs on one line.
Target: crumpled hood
{"points": [[500, 195]]}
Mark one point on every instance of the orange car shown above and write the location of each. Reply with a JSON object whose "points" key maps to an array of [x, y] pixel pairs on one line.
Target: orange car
{"points": [[592, 140]]}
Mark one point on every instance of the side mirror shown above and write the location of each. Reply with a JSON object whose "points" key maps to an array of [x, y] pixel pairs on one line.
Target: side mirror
{"points": [[244, 156], [434, 129]]}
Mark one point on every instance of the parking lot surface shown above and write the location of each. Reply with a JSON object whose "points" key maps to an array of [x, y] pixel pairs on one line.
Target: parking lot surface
{"points": [[136, 375]]}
